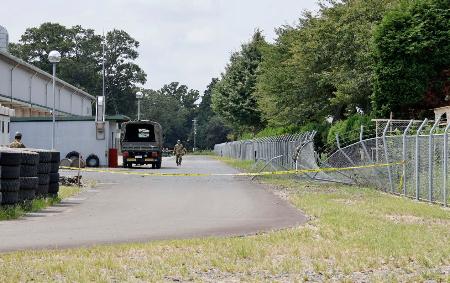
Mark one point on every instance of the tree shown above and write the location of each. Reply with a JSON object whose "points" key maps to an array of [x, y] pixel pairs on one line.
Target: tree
{"points": [[233, 96], [174, 107], [322, 67], [80, 53], [211, 128], [81, 62], [412, 52], [122, 74]]}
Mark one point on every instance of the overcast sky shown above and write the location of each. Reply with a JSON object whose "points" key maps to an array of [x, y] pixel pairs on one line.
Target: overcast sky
{"points": [[188, 41]]}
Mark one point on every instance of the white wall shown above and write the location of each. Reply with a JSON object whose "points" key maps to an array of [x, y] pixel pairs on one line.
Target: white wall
{"points": [[70, 135]]}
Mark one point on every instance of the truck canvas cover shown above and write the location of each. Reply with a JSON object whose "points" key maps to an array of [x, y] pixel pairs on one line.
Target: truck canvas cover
{"points": [[141, 135]]}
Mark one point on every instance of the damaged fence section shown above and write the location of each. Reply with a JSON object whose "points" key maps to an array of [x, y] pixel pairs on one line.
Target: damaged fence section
{"points": [[280, 151], [408, 158]]}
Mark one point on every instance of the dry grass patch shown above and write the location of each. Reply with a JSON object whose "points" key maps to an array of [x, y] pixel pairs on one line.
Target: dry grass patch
{"points": [[344, 241]]}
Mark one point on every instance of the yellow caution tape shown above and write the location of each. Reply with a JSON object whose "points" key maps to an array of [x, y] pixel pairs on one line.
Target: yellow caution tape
{"points": [[267, 173]]}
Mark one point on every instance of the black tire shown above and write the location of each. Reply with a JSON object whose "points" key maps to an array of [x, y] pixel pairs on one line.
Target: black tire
{"points": [[125, 165], [28, 170], [10, 198], [65, 162], [92, 161], [54, 177], [54, 167], [55, 156], [29, 183], [44, 168], [42, 190], [44, 179], [153, 165], [10, 172], [30, 158], [10, 157], [130, 165], [8, 186], [27, 195], [73, 154], [158, 165], [53, 189], [45, 156]]}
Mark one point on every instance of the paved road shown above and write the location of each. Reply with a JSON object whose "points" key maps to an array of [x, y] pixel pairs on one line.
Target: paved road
{"points": [[128, 208]]}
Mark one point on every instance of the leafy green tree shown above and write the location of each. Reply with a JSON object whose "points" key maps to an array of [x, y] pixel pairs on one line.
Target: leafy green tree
{"points": [[412, 52], [211, 128], [322, 68], [233, 96], [174, 107], [122, 74], [80, 50], [81, 62]]}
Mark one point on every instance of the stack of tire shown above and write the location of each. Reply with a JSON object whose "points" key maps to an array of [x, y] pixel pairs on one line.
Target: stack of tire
{"points": [[43, 170], [10, 161], [29, 175], [53, 188]]}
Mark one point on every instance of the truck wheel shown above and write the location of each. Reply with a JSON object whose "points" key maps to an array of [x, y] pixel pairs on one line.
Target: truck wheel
{"points": [[130, 165], [125, 165]]}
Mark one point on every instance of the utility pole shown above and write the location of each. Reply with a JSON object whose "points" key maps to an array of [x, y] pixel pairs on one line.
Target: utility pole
{"points": [[195, 134]]}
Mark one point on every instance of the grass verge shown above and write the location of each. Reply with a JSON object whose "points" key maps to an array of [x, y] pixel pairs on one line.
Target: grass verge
{"points": [[202, 152], [15, 211], [354, 234]]}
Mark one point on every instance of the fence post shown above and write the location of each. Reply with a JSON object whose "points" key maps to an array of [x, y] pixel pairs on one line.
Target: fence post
{"points": [[444, 191], [417, 157], [404, 155], [386, 156], [376, 141], [430, 160]]}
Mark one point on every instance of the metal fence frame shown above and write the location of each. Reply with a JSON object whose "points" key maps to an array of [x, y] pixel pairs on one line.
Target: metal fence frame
{"points": [[406, 157]]}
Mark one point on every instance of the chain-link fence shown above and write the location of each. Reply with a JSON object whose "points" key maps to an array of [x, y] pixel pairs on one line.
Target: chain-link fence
{"points": [[281, 151], [405, 157]]}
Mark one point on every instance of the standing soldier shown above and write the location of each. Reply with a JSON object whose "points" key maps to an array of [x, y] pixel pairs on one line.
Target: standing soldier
{"points": [[17, 143], [179, 151]]}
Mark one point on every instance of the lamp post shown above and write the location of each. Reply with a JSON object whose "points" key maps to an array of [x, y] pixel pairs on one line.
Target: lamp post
{"points": [[139, 96], [195, 134], [54, 57]]}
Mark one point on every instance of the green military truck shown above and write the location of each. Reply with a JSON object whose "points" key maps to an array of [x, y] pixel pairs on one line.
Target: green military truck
{"points": [[141, 143]]}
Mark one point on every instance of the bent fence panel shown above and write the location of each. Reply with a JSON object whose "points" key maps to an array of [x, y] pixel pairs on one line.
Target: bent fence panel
{"points": [[408, 159]]}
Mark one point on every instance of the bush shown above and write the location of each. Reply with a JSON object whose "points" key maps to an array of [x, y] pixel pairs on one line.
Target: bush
{"points": [[349, 129]]}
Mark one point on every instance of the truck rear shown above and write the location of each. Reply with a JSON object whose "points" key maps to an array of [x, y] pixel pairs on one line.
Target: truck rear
{"points": [[142, 143]]}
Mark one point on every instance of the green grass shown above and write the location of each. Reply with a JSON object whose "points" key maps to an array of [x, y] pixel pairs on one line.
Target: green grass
{"points": [[202, 152], [354, 234], [10, 212]]}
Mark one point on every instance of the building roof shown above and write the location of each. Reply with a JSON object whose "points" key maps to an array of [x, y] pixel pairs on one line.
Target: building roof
{"points": [[44, 74], [117, 118]]}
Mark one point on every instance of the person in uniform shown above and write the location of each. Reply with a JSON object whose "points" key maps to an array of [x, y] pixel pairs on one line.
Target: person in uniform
{"points": [[17, 143], [179, 150]]}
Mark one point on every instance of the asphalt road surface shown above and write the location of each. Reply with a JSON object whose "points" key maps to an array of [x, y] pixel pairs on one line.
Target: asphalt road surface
{"points": [[130, 208]]}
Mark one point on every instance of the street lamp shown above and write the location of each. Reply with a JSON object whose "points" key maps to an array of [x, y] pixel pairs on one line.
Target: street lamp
{"points": [[54, 57], [195, 134], [139, 96]]}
